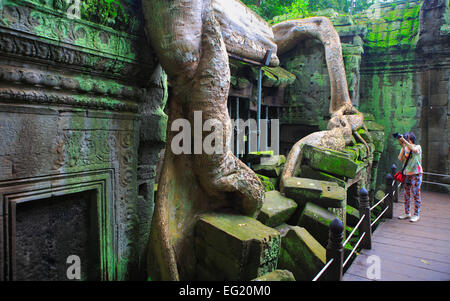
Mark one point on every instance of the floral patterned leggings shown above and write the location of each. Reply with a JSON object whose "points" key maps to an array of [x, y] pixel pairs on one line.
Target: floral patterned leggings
{"points": [[412, 185]]}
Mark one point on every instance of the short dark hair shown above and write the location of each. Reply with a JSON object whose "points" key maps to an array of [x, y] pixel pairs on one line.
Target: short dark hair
{"points": [[406, 136], [412, 137]]}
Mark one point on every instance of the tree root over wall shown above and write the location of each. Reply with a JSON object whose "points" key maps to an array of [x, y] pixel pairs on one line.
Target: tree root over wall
{"points": [[192, 48]]}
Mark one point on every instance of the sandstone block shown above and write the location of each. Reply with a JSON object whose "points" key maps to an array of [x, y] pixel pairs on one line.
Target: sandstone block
{"points": [[322, 193], [301, 253], [276, 209], [330, 161], [316, 220], [234, 247]]}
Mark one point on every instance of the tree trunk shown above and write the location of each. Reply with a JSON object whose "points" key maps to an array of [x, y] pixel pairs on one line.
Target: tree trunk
{"points": [[190, 47]]}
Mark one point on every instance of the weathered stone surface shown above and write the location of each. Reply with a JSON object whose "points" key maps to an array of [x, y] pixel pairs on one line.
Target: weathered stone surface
{"points": [[276, 209], [277, 275], [271, 166], [255, 157], [322, 193], [300, 253], [269, 183], [352, 216], [306, 171], [330, 161], [316, 220], [234, 247]]}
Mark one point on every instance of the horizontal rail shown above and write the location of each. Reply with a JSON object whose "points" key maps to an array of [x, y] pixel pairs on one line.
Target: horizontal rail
{"points": [[354, 229], [381, 214], [436, 174], [442, 184], [379, 202], [323, 270], [353, 250]]}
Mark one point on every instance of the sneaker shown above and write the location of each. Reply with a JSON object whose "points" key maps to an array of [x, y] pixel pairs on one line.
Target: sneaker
{"points": [[404, 216], [414, 218]]}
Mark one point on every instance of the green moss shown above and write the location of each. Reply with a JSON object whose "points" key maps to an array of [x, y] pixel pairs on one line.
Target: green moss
{"points": [[269, 184]]}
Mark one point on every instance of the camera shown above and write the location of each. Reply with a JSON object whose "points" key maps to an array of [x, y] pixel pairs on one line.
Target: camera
{"points": [[397, 135]]}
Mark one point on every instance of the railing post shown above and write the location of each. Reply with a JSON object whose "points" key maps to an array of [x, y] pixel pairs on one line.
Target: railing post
{"points": [[393, 170], [389, 200], [335, 251], [365, 227]]}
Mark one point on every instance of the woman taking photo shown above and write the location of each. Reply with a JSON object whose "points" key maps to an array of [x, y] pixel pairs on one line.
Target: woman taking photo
{"points": [[412, 154]]}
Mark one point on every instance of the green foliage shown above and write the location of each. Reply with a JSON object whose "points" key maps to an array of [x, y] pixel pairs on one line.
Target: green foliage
{"points": [[268, 9], [105, 12], [341, 6], [281, 10]]}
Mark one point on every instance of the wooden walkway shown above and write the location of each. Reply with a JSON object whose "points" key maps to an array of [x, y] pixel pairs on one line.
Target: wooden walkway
{"points": [[410, 251]]}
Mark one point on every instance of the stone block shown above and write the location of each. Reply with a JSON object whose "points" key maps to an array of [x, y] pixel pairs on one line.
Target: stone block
{"points": [[277, 275], [255, 157], [270, 166], [234, 247], [353, 150], [276, 209], [330, 161], [316, 220], [372, 126], [301, 253], [322, 193], [307, 172]]}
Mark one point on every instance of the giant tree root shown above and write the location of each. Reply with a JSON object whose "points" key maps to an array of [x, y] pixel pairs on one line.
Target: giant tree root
{"points": [[190, 47], [345, 119]]}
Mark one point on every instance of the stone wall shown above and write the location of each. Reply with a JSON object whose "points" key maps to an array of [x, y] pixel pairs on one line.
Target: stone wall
{"points": [[404, 78], [80, 111]]}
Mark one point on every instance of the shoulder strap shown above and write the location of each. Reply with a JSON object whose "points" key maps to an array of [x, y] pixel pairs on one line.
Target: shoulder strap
{"points": [[406, 162]]}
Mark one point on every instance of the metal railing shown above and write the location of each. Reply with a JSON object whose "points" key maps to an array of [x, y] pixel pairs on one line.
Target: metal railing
{"points": [[333, 269], [438, 175]]}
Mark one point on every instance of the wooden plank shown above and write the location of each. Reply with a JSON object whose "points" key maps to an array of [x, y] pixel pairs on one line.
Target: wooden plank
{"points": [[445, 250], [351, 277], [385, 250], [407, 225], [416, 231], [359, 268], [429, 241], [409, 269], [419, 262]]}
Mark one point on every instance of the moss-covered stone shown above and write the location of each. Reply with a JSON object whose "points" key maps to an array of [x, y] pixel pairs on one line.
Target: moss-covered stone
{"points": [[301, 253], [322, 193], [269, 183], [277, 275], [306, 171], [271, 166], [276, 209], [330, 161], [235, 247], [255, 157], [316, 220], [352, 216], [378, 140]]}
